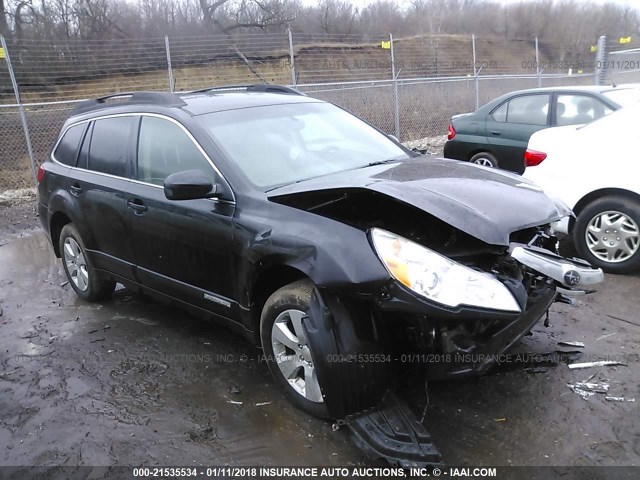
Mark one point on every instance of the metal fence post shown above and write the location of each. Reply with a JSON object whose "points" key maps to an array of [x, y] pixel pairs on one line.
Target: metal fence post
{"points": [[23, 116], [538, 75], [292, 59], [172, 84], [600, 76], [476, 84], [396, 103]]}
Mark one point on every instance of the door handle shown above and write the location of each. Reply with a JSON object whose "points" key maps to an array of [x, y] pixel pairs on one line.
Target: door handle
{"points": [[137, 205], [75, 189], [495, 132]]}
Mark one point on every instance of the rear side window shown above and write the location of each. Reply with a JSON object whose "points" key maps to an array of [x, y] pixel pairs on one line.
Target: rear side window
{"points": [[67, 150], [110, 145], [528, 110], [525, 109]]}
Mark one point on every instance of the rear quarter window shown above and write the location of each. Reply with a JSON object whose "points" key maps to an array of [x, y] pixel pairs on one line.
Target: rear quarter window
{"points": [[108, 151], [500, 113], [67, 150]]}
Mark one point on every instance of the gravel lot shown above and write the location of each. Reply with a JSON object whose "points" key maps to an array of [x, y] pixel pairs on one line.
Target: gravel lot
{"points": [[132, 382]]}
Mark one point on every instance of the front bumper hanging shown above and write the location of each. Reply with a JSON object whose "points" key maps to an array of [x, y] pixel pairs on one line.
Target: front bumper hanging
{"points": [[574, 274]]}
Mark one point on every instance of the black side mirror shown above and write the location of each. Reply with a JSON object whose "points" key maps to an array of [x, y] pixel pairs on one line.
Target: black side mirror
{"points": [[189, 185]]}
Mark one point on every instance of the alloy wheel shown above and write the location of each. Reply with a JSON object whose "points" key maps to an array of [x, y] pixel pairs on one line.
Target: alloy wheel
{"points": [[76, 264], [292, 355]]}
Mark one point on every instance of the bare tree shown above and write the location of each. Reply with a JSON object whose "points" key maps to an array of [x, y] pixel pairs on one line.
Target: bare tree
{"points": [[4, 28], [337, 17], [568, 26], [225, 16]]}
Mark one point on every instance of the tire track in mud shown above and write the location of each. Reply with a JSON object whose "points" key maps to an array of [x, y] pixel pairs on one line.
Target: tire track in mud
{"points": [[155, 388]]}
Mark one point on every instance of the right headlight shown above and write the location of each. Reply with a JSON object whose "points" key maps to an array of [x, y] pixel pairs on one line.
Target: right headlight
{"points": [[439, 278]]}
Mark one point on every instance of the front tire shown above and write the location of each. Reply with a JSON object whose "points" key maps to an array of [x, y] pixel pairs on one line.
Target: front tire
{"points": [[607, 234], [286, 348], [82, 277], [485, 159]]}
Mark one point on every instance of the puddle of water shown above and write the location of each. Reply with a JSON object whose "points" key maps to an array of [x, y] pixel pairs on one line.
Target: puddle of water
{"points": [[155, 384]]}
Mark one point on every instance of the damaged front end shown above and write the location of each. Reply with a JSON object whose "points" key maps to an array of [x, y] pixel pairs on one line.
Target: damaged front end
{"points": [[452, 302], [364, 342], [469, 339], [362, 346], [470, 266]]}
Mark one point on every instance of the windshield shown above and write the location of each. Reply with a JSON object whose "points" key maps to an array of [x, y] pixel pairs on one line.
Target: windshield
{"points": [[281, 144], [623, 96]]}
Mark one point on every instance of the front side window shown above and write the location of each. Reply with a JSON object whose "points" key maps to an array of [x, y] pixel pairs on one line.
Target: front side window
{"points": [[164, 148], [67, 150], [280, 144], [110, 144], [579, 109]]}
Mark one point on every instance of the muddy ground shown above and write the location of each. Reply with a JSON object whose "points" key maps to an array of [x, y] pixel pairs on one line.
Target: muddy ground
{"points": [[133, 382]]}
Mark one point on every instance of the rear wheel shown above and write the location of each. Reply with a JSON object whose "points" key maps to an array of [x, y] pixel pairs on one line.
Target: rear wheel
{"points": [[286, 348], [607, 234], [83, 278], [485, 159]]}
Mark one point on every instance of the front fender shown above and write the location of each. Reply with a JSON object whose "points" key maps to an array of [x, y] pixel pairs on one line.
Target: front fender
{"points": [[351, 366], [334, 256]]}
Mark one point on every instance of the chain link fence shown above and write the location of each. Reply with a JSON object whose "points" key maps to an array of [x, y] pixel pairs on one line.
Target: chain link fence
{"points": [[408, 87], [622, 63]]}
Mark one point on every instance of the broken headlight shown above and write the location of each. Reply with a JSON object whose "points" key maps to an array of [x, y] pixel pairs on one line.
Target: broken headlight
{"points": [[438, 278]]}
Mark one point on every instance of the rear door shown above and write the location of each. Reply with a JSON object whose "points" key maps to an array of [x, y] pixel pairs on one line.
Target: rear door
{"points": [[511, 124], [99, 183], [182, 248]]}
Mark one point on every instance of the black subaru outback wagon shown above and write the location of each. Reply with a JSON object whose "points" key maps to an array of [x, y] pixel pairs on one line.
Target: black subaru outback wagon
{"points": [[307, 230]]}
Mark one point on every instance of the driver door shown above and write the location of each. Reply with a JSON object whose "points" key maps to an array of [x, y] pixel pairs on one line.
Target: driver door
{"points": [[181, 247]]}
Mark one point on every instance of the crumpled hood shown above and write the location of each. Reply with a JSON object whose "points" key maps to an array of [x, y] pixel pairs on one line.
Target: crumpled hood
{"points": [[486, 203]]}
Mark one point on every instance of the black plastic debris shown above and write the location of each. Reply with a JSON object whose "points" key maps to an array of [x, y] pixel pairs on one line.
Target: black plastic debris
{"points": [[393, 433]]}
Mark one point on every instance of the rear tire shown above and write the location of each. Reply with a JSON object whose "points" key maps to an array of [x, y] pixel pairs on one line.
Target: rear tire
{"points": [[83, 278], [485, 159], [607, 234], [287, 351]]}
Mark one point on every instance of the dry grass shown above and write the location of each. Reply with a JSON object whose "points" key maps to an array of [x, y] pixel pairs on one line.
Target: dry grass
{"points": [[417, 56]]}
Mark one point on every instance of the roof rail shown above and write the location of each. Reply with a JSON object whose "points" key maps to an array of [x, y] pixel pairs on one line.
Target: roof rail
{"points": [[255, 87], [148, 98]]}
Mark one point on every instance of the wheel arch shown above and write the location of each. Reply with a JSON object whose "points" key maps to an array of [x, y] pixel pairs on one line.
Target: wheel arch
{"points": [[596, 195], [266, 283], [483, 149], [58, 220]]}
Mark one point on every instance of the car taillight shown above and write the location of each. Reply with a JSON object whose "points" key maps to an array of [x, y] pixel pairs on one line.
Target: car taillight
{"points": [[40, 174], [533, 157], [452, 132]]}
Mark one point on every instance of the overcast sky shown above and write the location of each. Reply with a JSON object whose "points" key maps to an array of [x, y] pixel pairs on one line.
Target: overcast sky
{"points": [[360, 3]]}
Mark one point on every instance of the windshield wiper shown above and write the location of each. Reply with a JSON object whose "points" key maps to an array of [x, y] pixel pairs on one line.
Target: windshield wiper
{"points": [[381, 162], [372, 164]]}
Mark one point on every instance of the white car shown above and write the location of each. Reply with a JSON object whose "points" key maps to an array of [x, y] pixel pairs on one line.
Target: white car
{"points": [[595, 170]]}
